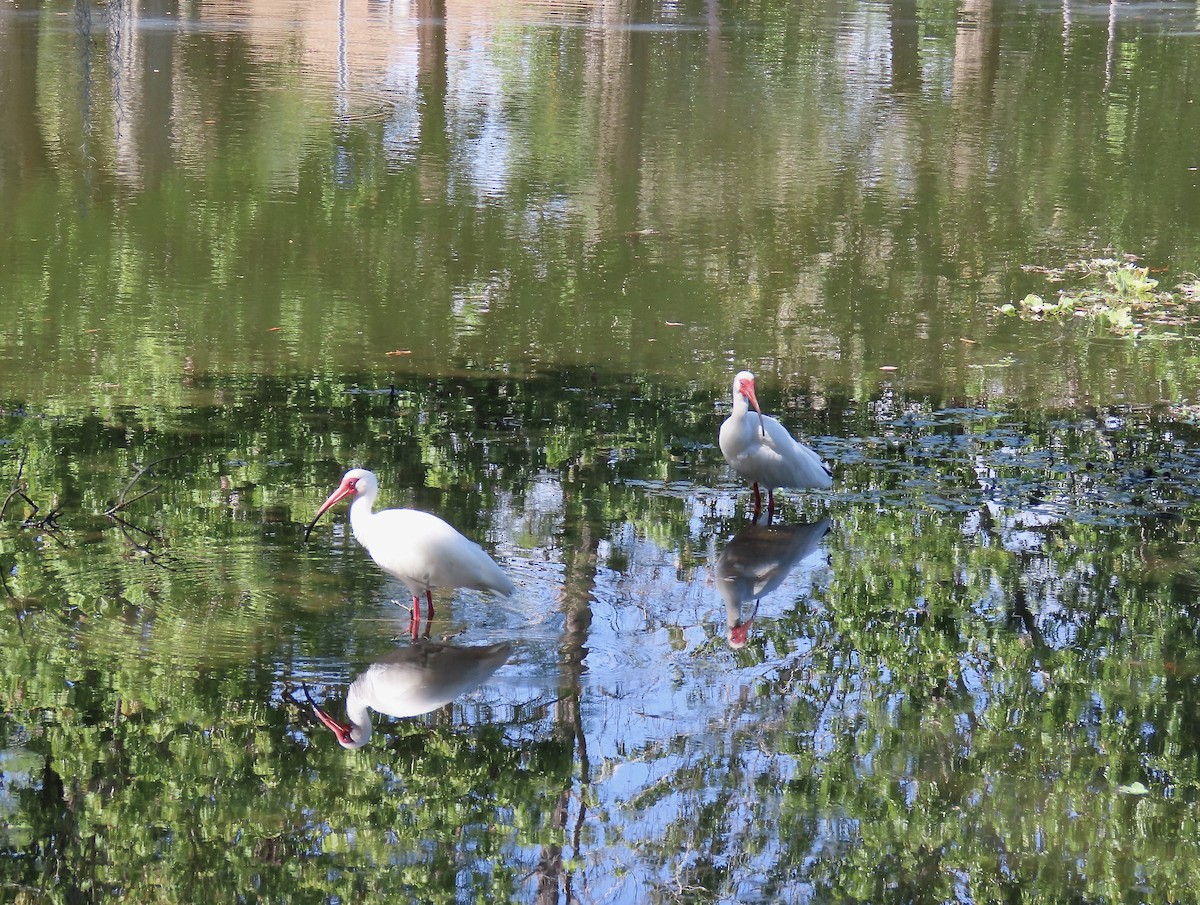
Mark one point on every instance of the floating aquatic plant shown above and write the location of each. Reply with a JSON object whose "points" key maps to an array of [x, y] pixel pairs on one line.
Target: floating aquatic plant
{"points": [[1114, 294]]}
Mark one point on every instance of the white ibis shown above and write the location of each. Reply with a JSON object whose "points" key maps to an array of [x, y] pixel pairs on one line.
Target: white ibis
{"points": [[755, 562], [763, 452], [410, 681], [417, 547]]}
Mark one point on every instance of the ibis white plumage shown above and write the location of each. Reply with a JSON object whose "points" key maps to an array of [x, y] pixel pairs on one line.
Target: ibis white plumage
{"points": [[420, 549], [762, 451]]}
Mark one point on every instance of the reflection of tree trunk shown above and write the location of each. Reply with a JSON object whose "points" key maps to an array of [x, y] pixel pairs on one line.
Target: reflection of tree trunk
{"points": [[580, 581], [1020, 614], [1110, 48], [716, 58], [976, 53], [617, 73], [550, 866], [58, 834], [616, 67], [158, 72], [906, 42], [22, 152], [577, 596], [431, 85], [976, 64], [439, 234], [127, 81]]}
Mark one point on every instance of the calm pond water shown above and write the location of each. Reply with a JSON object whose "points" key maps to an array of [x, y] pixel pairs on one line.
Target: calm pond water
{"points": [[509, 256]]}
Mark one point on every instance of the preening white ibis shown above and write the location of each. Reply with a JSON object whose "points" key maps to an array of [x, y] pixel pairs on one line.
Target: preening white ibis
{"points": [[761, 450], [410, 681], [755, 562], [417, 547]]}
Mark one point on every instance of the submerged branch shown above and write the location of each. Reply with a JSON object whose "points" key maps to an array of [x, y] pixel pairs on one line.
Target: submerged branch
{"points": [[18, 486], [127, 528], [47, 522], [144, 549]]}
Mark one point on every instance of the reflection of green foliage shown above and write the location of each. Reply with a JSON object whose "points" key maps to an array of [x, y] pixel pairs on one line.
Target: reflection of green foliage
{"points": [[978, 686], [986, 658], [225, 798], [1002, 654], [276, 241], [164, 761], [946, 717]]}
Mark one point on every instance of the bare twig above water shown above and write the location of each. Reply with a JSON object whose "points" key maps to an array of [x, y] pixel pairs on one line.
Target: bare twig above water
{"points": [[124, 499]]}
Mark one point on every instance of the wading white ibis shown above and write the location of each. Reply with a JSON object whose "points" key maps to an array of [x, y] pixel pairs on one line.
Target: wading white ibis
{"points": [[755, 562], [417, 547], [410, 681], [761, 450]]}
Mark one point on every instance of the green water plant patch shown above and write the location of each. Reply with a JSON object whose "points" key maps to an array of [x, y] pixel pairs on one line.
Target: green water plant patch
{"points": [[1114, 294]]}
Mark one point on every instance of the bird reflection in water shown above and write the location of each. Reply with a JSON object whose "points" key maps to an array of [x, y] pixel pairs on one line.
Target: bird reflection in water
{"points": [[755, 562], [413, 680]]}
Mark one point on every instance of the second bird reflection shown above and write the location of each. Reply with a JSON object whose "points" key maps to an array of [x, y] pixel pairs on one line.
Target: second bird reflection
{"points": [[755, 562], [412, 680]]}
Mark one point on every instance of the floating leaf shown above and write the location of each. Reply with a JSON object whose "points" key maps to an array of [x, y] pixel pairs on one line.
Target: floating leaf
{"points": [[1134, 788]]}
